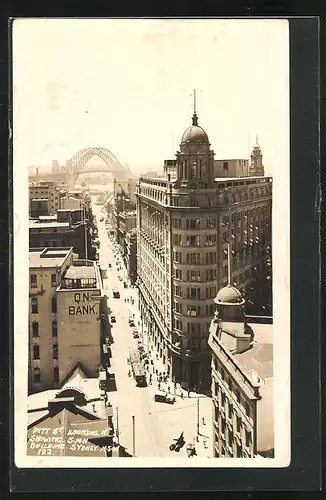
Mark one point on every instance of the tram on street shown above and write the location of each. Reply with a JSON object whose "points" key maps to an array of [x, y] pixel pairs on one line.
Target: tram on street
{"points": [[139, 374]]}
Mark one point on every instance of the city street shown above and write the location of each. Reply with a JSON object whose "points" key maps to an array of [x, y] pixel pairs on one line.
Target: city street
{"points": [[156, 424]]}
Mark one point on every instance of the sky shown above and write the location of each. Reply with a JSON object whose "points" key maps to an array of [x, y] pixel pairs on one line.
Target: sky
{"points": [[127, 85]]}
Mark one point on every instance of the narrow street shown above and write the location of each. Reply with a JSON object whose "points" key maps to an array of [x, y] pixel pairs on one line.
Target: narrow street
{"points": [[156, 424]]}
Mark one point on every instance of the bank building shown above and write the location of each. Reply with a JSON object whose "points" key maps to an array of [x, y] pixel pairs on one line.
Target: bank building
{"points": [[66, 319], [185, 220]]}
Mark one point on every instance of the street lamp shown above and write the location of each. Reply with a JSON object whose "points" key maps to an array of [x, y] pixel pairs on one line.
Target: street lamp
{"points": [[133, 437], [198, 419]]}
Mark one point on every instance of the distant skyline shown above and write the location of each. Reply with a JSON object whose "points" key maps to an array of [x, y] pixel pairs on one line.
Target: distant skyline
{"points": [[127, 85]]}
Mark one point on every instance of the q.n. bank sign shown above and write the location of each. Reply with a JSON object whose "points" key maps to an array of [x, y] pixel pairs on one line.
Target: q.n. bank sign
{"points": [[82, 305]]}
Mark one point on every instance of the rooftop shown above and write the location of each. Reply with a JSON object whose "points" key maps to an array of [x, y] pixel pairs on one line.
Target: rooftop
{"points": [[56, 414], [50, 218], [80, 272], [36, 224], [48, 257], [258, 359]]}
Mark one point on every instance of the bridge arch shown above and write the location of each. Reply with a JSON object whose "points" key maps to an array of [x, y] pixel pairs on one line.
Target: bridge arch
{"points": [[80, 159]]}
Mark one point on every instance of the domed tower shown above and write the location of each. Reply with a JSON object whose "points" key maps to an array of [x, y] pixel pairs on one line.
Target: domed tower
{"points": [[195, 159], [229, 300], [256, 167], [229, 309]]}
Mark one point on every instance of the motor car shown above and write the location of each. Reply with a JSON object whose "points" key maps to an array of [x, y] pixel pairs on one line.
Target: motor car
{"points": [[131, 322], [162, 397], [110, 265], [116, 293], [119, 278], [101, 219], [113, 319], [135, 335]]}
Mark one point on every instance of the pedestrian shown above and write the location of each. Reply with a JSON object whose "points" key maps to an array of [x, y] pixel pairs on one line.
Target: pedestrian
{"points": [[188, 393], [169, 388], [159, 385], [181, 394], [204, 442], [203, 421]]}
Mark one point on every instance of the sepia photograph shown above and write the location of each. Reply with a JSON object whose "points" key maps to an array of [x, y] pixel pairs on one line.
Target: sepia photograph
{"points": [[151, 173]]}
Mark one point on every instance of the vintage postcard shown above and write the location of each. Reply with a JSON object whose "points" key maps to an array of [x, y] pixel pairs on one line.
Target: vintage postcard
{"points": [[151, 243]]}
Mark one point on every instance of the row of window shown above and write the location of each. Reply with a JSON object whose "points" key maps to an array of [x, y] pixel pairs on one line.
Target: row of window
{"points": [[193, 240], [34, 280], [190, 169], [194, 310], [195, 275], [37, 375], [34, 305], [35, 329], [199, 328], [36, 351], [194, 258], [195, 293], [232, 387], [206, 223]]}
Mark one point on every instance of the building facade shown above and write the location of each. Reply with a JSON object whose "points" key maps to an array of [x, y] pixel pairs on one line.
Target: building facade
{"points": [[79, 299], [231, 168], [184, 225], [44, 234], [64, 322], [46, 267], [242, 381], [131, 255], [45, 190]]}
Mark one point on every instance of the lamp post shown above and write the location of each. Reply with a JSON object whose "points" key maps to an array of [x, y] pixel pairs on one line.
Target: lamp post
{"points": [[85, 234], [197, 418], [133, 437], [117, 432]]}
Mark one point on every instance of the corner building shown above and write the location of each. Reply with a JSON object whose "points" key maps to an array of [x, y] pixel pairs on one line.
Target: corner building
{"points": [[183, 228], [242, 380]]}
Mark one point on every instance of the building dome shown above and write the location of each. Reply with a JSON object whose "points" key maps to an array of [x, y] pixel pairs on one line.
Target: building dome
{"points": [[195, 133], [229, 295]]}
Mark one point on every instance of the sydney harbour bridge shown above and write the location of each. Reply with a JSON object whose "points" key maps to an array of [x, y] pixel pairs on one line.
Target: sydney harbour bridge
{"points": [[84, 167]]}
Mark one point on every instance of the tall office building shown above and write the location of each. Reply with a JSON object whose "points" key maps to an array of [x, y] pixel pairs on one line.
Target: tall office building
{"points": [[184, 224]]}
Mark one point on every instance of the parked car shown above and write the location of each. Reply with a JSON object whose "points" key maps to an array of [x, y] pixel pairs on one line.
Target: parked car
{"points": [[113, 320], [162, 397], [135, 334], [131, 322]]}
